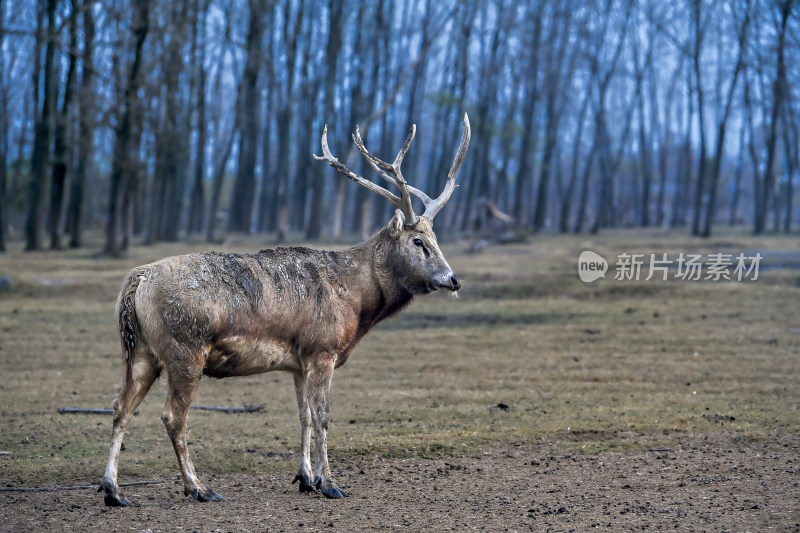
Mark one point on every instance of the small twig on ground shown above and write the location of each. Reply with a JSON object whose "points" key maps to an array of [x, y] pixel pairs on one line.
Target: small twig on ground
{"points": [[87, 411], [95, 411], [243, 409], [77, 487]]}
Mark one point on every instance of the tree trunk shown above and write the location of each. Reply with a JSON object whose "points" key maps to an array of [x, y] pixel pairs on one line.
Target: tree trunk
{"points": [[477, 182], [197, 198], [683, 174], [700, 184], [332, 49], [266, 201], [216, 187], [558, 74], [122, 143], [551, 133], [241, 211], [737, 177], [41, 147], [4, 130], [85, 132], [280, 179], [580, 217], [790, 146], [357, 97], [645, 144], [665, 149], [223, 146], [529, 137], [566, 199], [777, 101], [308, 93], [723, 122], [176, 129], [59, 171]]}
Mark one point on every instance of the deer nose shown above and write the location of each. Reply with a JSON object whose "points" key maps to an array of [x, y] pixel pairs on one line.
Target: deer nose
{"points": [[455, 283]]}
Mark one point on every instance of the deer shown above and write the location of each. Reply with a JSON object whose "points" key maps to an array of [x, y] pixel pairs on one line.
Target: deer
{"points": [[291, 309]]}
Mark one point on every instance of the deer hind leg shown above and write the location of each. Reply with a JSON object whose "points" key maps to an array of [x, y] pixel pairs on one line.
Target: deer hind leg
{"points": [[144, 372], [304, 475], [318, 375], [184, 378]]}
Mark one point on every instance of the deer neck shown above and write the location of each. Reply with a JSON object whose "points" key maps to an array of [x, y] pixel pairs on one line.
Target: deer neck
{"points": [[381, 294]]}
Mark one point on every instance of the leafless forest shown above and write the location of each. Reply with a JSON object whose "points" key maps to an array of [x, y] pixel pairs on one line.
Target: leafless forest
{"points": [[158, 120]]}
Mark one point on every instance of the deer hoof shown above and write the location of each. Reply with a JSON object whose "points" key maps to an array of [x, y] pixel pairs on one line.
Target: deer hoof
{"points": [[115, 499], [206, 495], [306, 485], [329, 489]]}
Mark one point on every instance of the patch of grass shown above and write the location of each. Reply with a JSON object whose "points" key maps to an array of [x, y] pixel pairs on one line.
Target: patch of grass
{"points": [[581, 367]]}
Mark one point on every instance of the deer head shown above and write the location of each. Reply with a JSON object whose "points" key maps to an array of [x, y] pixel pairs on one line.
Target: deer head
{"points": [[414, 257]]}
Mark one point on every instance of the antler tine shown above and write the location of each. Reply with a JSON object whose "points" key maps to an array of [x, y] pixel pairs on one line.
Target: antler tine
{"points": [[432, 207], [385, 170], [374, 161], [335, 163], [406, 145]]}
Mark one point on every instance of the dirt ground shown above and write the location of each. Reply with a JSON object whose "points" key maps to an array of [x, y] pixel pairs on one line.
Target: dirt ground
{"points": [[535, 402], [720, 482]]}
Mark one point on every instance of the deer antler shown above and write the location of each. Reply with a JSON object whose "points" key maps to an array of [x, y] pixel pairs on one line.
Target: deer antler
{"points": [[434, 206], [391, 174], [385, 170], [335, 163]]}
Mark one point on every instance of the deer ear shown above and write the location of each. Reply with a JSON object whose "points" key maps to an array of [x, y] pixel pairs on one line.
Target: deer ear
{"points": [[396, 224]]}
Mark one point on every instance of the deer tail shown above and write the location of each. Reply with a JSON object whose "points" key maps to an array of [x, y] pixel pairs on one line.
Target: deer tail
{"points": [[128, 322]]}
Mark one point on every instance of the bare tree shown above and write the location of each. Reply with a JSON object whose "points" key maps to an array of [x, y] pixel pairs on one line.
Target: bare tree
{"points": [[767, 183], [559, 66], [791, 140], [40, 157], [85, 130], [699, 27], [332, 50], [59, 170], [241, 212], [197, 196], [742, 25], [293, 20], [123, 139], [4, 131], [223, 143]]}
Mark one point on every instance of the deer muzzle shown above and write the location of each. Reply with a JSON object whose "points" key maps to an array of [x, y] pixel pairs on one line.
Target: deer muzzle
{"points": [[455, 283], [447, 280]]}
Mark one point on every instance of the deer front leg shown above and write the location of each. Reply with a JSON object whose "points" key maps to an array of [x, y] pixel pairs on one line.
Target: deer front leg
{"points": [[318, 375], [304, 475]]}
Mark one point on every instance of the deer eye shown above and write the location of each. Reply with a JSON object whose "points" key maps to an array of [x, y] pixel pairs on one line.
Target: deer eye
{"points": [[418, 242]]}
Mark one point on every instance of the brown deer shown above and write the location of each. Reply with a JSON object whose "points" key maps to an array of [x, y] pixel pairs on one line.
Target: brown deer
{"points": [[292, 309]]}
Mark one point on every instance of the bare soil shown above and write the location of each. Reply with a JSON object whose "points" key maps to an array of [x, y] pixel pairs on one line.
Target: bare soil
{"points": [[535, 402], [719, 482]]}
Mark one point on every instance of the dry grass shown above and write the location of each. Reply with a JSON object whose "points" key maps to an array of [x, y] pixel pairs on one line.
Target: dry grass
{"points": [[607, 365]]}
